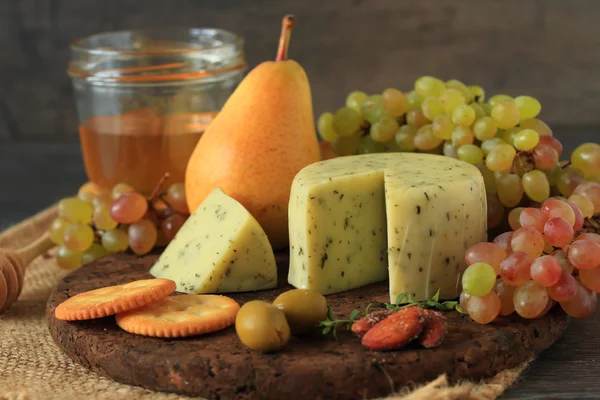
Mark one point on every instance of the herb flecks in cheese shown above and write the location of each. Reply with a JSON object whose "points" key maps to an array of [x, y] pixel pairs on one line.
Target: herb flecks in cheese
{"points": [[407, 217], [221, 248]]}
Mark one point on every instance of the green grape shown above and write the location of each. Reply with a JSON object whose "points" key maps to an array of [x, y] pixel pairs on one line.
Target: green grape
{"points": [[477, 93], [510, 190], [405, 138], [384, 129], [443, 127], [479, 110], [568, 179], [536, 185], [497, 99], [479, 279], [355, 100], [500, 158], [488, 178], [68, 259], [552, 175], [75, 210], [463, 115], [346, 146], [121, 188], [461, 87], [509, 135], [484, 128], [452, 98], [78, 237], [95, 252], [395, 102], [526, 140], [537, 125], [505, 114], [346, 121], [462, 135], [416, 118], [428, 86], [425, 139], [470, 153], [104, 198], [586, 158], [372, 109], [115, 241], [414, 100], [449, 150], [392, 147], [529, 107], [488, 145], [368, 146], [325, 127], [432, 107], [487, 108], [103, 220], [57, 230]]}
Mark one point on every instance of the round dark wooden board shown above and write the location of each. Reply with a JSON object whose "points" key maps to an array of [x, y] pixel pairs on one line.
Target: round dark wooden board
{"points": [[218, 366]]}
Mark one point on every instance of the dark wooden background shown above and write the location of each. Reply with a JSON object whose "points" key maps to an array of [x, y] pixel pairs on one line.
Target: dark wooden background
{"points": [[546, 48]]}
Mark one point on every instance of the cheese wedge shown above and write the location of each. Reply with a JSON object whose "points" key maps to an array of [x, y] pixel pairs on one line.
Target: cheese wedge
{"points": [[221, 248], [404, 217]]}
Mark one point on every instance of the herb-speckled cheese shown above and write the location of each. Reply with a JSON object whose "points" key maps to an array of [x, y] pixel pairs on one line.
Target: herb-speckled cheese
{"points": [[361, 219], [221, 248]]}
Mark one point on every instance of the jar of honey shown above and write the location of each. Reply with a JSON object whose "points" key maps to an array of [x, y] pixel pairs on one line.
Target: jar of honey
{"points": [[144, 98]]}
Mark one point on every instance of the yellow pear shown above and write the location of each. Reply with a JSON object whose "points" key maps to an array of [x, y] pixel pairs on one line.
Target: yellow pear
{"points": [[259, 141]]}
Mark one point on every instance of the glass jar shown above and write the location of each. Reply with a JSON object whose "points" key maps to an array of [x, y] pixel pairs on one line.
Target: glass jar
{"points": [[145, 97]]}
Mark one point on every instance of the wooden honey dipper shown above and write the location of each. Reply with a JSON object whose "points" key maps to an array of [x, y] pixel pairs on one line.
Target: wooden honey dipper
{"points": [[12, 268]]}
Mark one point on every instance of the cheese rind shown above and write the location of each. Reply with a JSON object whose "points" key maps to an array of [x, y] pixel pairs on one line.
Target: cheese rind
{"points": [[431, 209], [221, 248]]}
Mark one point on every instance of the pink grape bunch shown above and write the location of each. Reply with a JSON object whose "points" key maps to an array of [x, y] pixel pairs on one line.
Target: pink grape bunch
{"points": [[502, 135], [551, 256], [96, 223]]}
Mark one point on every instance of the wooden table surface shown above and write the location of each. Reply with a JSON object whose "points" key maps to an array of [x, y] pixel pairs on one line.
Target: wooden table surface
{"points": [[33, 176]]}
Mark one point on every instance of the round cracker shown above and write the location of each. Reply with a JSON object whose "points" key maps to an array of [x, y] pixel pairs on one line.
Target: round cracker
{"points": [[111, 300], [12, 281], [3, 293], [181, 316]]}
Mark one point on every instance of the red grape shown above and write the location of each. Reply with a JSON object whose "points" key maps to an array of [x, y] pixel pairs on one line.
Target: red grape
{"points": [[544, 156], [505, 294], [529, 240], [171, 226], [129, 207], [590, 278], [533, 217], [552, 142], [546, 271], [142, 236], [503, 241], [582, 305], [549, 306], [591, 190], [484, 309], [594, 237], [495, 212], [558, 232], [176, 198], [558, 208], [530, 299], [579, 219], [463, 300], [489, 253], [562, 259], [584, 254], [515, 269], [565, 289]]}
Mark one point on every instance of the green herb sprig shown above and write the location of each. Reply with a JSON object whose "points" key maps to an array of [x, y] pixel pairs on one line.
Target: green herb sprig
{"points": [[331, 324]]}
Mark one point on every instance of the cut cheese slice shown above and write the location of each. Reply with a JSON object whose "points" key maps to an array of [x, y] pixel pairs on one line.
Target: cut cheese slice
{"points": [[403, 216], [221, 248]]}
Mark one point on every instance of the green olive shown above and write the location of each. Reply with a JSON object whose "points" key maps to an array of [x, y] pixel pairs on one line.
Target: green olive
{"points": [[304, 309], [261, 326]]}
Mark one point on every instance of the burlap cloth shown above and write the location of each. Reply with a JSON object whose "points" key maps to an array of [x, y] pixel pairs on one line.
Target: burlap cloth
{"points": [[33, 367]]}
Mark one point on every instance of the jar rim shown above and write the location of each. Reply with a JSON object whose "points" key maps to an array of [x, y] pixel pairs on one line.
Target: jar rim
{"points": [[79, 43], [156, 55]]}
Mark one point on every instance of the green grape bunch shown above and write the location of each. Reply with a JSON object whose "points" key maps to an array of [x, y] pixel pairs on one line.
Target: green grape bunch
{"points": [[503, 136], [96, 222]]}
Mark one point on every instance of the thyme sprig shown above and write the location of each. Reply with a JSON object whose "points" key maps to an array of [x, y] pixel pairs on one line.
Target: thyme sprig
{"points": [[331, 324]]}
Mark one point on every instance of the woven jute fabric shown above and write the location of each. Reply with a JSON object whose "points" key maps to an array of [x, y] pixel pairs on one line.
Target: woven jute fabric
{"points": [[33, 367]]}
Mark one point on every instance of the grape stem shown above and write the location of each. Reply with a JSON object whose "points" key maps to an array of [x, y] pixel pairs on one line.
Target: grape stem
{"points": [[157, 189]]}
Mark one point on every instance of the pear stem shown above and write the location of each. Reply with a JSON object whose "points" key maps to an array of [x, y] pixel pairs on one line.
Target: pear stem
{"points": [[284, 39]]}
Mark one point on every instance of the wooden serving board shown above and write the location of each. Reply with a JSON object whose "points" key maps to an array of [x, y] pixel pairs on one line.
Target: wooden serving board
{"points": [[218, 366]]}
